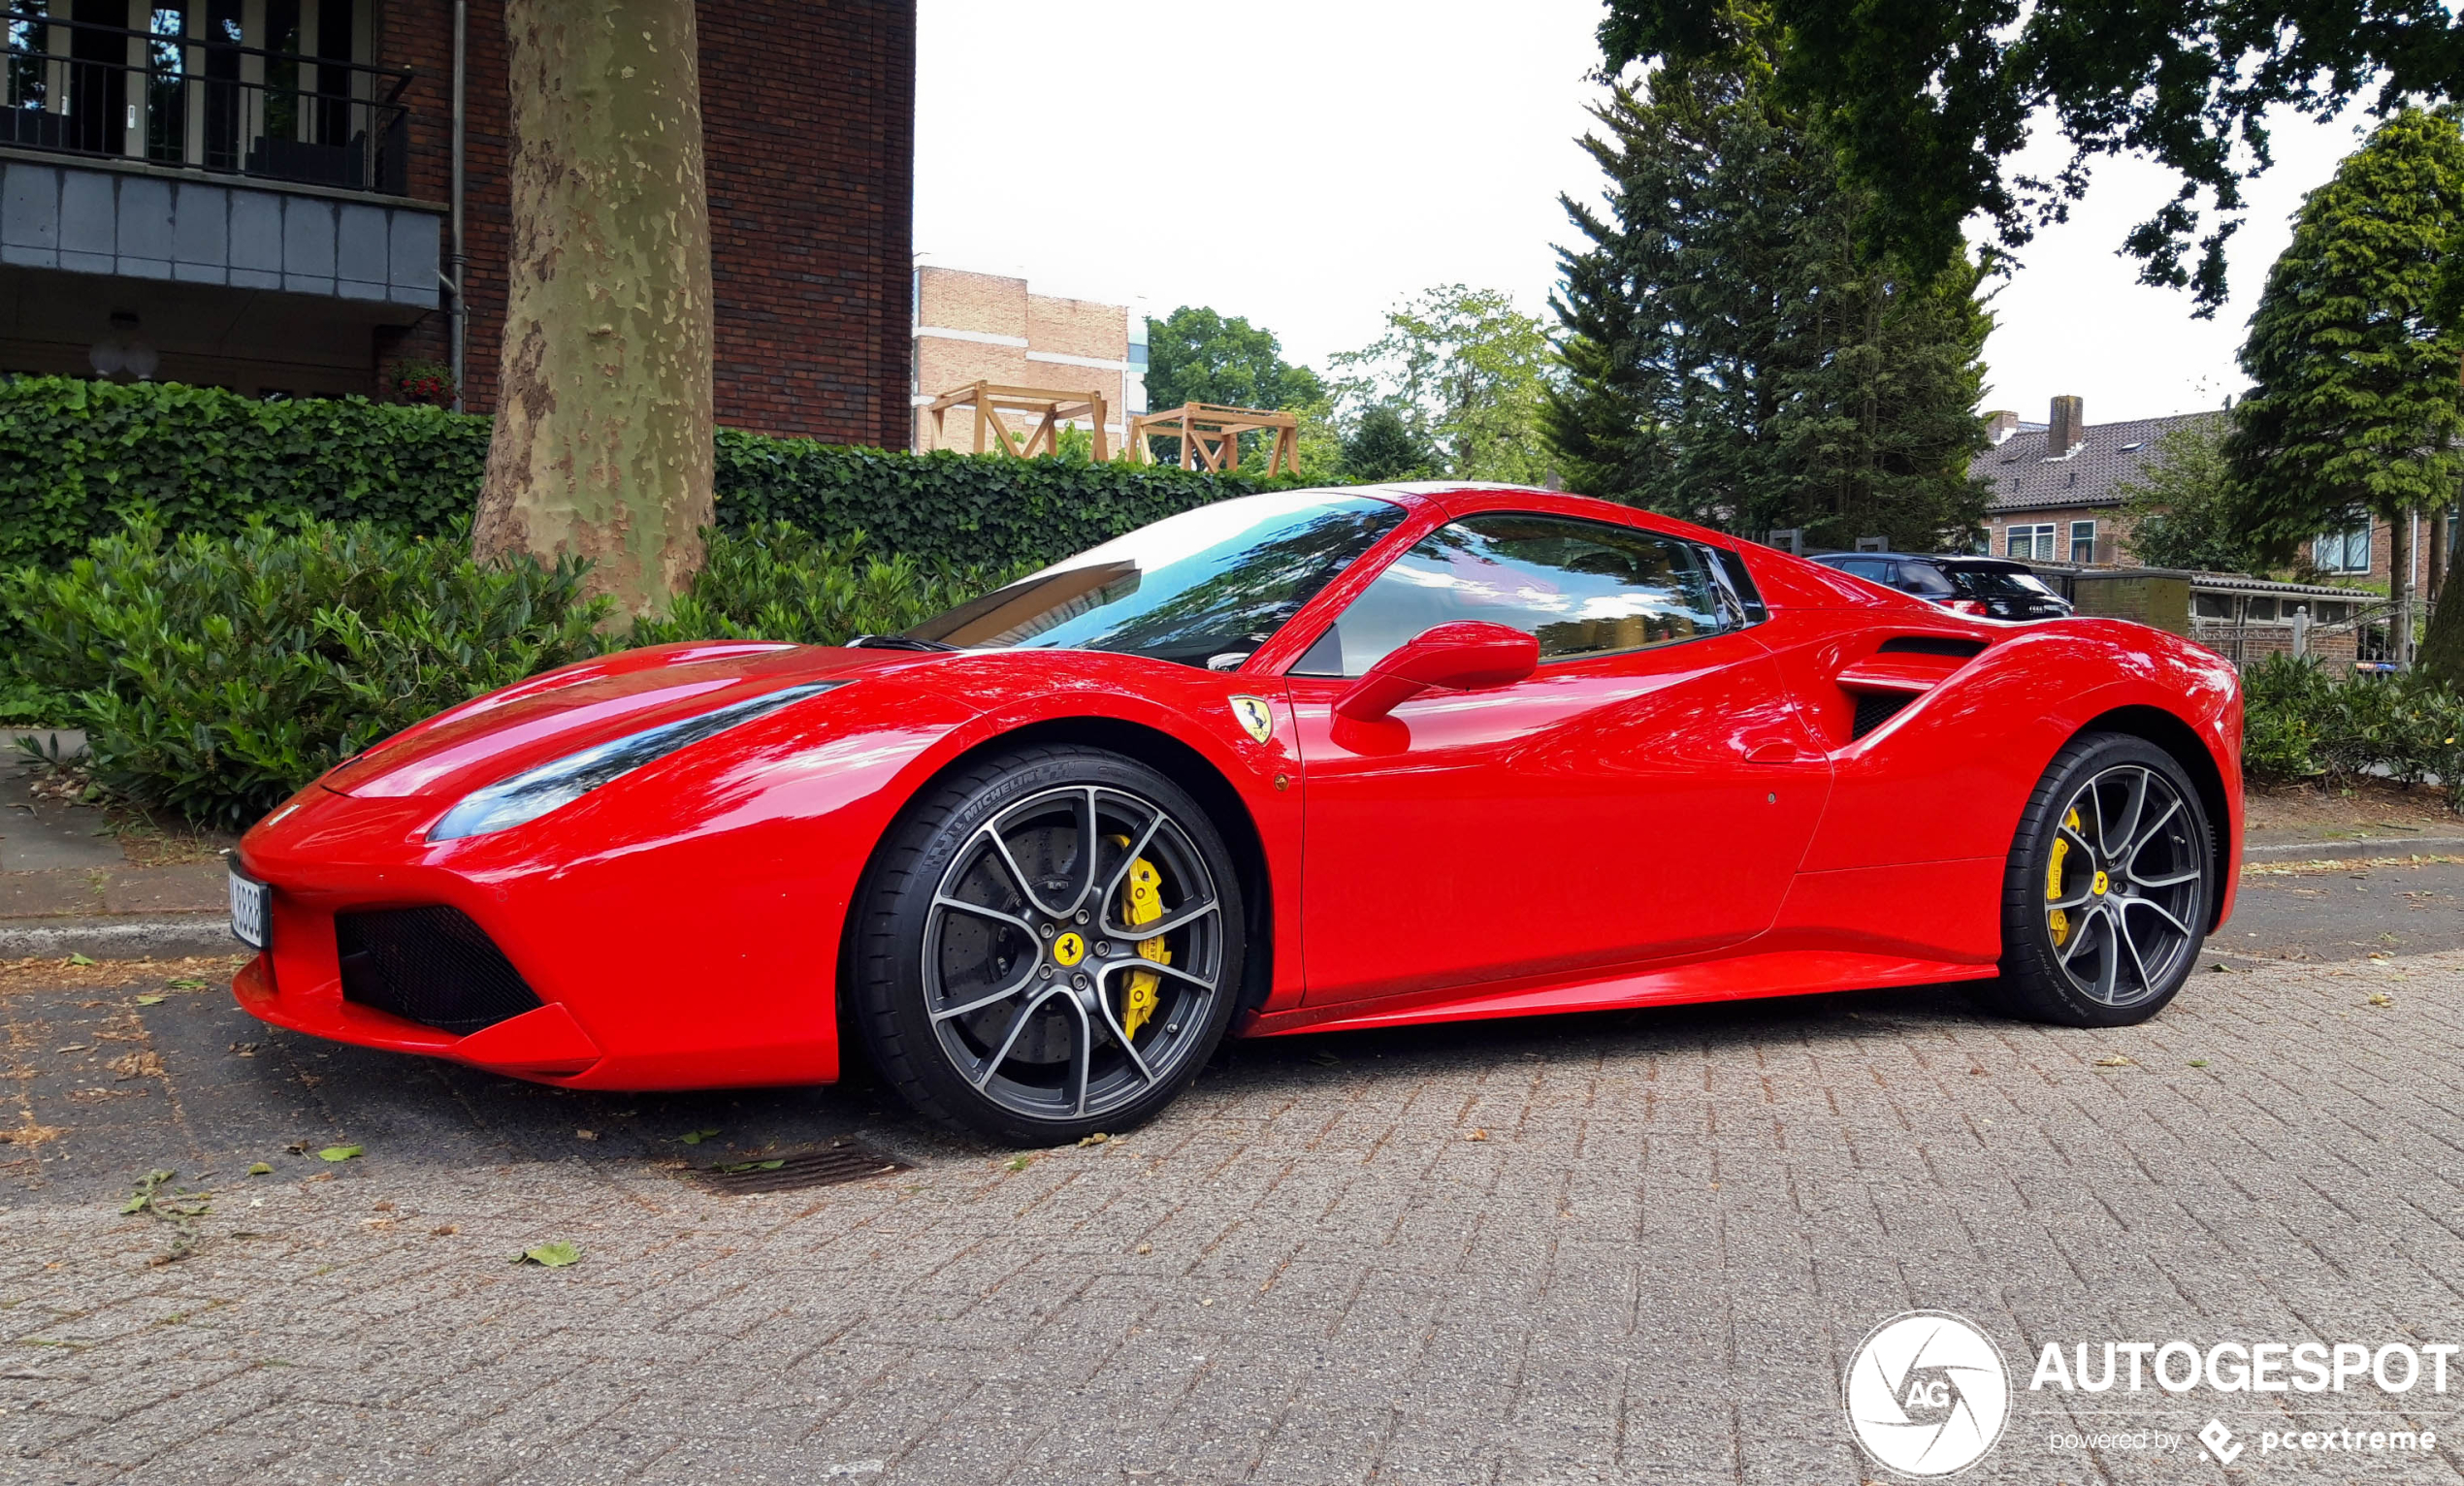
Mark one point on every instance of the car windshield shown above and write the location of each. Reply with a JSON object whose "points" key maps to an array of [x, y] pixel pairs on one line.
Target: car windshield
{"points": [[1998, 583], [1203, 588]]}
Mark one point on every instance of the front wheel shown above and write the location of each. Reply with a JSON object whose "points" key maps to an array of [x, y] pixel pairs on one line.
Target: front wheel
{"points": [[2110, 886], [1051, 947]]}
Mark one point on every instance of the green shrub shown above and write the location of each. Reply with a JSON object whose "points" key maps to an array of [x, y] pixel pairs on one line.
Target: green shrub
{"points": [[217, 675], [776, 581], [2300, 723], [77, 457]]}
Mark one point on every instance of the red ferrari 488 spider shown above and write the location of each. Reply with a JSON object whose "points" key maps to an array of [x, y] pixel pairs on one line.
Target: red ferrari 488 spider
{"points": [[1311, 760]]}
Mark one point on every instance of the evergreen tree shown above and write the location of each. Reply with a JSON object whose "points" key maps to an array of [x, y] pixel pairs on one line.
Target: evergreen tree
{"points": [[2356, 406], [1733, 355], [1384, 446]]}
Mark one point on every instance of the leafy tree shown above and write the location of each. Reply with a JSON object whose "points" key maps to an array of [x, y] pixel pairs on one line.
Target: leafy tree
{"points": [[1468, 373], [1384, 445], [1197, 355], [2356, 398], [2182, 511], [1734, 355], [1930, 98]]}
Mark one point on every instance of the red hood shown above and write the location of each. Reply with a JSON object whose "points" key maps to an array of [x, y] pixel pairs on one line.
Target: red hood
{"points": [[562, 711]]}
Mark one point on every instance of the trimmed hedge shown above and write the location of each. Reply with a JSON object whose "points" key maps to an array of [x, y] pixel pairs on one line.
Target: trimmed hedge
{"points": [[78, 457]]}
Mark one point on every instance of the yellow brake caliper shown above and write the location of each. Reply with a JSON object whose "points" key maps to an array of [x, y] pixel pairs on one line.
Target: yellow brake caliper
{"points": [[1145, 906], [2058, 920]]}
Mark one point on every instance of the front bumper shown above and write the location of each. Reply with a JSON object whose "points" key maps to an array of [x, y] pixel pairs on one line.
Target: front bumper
{"points": [[707, 964]]}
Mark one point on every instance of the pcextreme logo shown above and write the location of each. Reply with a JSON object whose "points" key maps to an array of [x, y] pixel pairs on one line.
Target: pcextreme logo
{"points": [[1927, 1394]]}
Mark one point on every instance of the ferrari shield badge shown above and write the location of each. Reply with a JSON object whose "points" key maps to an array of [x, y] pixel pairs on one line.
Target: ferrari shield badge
{"points": [[1255, 716]]}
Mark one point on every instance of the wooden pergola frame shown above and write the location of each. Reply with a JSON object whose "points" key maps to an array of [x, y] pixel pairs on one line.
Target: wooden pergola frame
{"points": [[1049, 407], [1210, 435]]}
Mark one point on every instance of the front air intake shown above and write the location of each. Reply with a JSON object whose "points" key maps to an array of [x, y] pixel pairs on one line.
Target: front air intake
{"points": [[429, 965]]}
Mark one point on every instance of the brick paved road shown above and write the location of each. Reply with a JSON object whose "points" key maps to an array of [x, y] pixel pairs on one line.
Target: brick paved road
{"points": [[1316, 1269]]}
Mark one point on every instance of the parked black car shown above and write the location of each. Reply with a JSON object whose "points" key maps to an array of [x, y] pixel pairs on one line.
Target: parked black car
{"points": [[1994, 588]]}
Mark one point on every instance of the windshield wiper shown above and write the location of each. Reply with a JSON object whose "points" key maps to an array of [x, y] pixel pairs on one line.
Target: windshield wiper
{"points": [[895, 642]]}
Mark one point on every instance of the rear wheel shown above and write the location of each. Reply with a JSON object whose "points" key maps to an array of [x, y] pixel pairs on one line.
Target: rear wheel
{"points": [[2109, 889], [1049, 947]]}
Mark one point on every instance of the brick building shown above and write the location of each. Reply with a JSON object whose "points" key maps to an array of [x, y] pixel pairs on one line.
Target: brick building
{"points": [[982, 327], [257, 194], [2057, 493]]}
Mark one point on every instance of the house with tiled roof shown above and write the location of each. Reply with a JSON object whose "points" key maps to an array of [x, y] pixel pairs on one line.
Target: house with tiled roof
{"points": [[2057, 495]]}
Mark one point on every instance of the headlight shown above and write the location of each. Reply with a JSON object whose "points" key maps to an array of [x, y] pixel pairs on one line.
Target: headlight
{"points": [[529, 795]]}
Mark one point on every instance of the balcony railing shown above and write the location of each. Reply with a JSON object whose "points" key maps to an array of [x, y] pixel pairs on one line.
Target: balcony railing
{"points": [[184, 98]]}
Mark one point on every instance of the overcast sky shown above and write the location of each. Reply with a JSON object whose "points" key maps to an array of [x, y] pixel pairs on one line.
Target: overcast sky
{"points": [[1308, 164]]}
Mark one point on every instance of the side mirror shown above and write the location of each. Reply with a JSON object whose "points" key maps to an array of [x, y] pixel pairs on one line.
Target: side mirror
{"points": [[1464, 656]]}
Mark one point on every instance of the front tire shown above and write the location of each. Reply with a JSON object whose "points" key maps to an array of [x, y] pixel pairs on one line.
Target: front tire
{"points": [[1049, 947], [2110, 886]]}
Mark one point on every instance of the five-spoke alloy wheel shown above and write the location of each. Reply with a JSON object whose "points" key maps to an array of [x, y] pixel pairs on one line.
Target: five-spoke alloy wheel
{"points": [[1051, 947], [2109, 886]]}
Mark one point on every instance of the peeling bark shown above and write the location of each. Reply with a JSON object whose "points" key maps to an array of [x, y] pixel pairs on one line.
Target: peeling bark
{"points": [[603, 423]]}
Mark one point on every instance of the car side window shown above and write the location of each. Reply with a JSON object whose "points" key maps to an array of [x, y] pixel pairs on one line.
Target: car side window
{"points": [[1924, 580], [1582, 588]]}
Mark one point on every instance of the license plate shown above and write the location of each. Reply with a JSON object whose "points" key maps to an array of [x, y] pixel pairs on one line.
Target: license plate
{"points": [[251, 911]]}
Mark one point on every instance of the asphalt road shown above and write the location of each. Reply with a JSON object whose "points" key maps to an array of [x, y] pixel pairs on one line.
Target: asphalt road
{"points": [[2342, 911], [1633, 1247]]}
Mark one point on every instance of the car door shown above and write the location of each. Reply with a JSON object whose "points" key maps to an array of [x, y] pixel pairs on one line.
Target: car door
{"points": [[1647, 793]]}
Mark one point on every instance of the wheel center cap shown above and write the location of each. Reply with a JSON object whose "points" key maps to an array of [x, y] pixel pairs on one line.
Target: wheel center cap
{"points": [[1070, 949], [2104, 884]]}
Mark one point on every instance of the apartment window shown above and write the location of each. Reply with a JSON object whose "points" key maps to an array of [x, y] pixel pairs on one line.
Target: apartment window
{"points": [[2083, 542], [2030, 544], [2347, 551]]}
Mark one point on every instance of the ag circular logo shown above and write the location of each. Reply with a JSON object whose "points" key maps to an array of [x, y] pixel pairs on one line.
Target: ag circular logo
{"points": [[1927, 1394]]}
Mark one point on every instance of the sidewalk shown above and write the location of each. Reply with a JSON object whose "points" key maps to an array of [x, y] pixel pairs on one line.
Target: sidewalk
{"points": [[69, 886]]}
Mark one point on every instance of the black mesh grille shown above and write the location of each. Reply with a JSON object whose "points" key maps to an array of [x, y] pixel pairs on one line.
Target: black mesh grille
{"points": [[429, 965], [1875, 708]]}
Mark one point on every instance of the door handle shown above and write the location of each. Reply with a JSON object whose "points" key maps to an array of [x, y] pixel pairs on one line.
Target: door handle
{"points": [[1774, 751]]}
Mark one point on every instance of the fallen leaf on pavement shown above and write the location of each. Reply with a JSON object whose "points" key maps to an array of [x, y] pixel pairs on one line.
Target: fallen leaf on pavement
{"points": [[80, 959], [554, 1256], [338, 1152], [260, 1169], [585, 1134], [2113, 1060], [1477, 1134], [695, 1137], [151, 1000]]}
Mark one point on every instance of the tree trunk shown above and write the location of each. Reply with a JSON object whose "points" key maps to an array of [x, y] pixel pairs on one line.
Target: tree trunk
{"points": [[2442, 655], [2434, 576], [603, 405]]}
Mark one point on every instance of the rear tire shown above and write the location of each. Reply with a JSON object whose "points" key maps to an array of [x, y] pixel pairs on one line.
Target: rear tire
{"points": [[2110, 887], [1002, 981]]}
